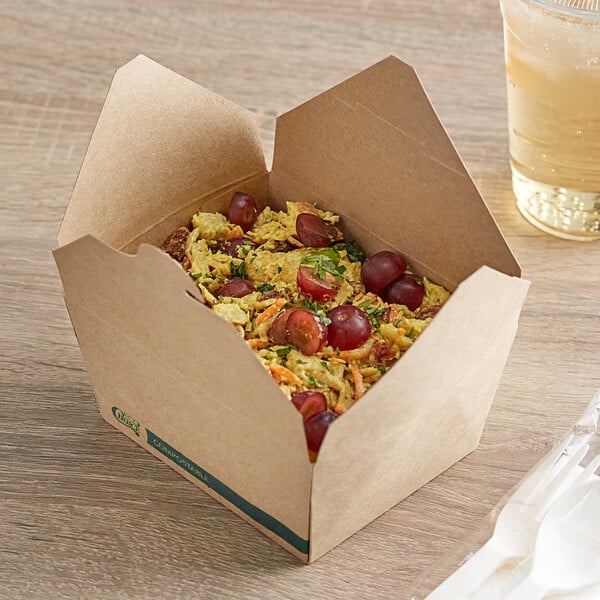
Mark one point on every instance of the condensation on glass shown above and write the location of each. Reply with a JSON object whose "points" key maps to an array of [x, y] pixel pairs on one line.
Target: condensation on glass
{"points": [[552, 52]]}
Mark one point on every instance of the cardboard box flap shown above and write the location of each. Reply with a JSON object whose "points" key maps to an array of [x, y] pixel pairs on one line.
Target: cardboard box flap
{"points": [[161, 143], [185, 373], [373, 149], [398, 426]]}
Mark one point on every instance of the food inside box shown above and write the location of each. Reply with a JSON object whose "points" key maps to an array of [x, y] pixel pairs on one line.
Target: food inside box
{"points": [[326, 321]]}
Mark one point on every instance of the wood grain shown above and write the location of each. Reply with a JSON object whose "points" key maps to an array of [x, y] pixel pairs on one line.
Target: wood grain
{"points": [[86, 513]]}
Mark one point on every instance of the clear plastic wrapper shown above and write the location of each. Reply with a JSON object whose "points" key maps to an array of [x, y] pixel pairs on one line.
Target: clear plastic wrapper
{"points": [[499, 585]]}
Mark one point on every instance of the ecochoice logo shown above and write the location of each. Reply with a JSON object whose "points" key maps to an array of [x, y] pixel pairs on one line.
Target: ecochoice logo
{"points": [[123, 417]]}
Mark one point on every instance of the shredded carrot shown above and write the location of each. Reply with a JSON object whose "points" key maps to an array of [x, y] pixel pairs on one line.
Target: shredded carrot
{"points": [[257, 343], [339, 409], [359, 387], [357, 353], [282, 374], [266, 314], [237, 231]]}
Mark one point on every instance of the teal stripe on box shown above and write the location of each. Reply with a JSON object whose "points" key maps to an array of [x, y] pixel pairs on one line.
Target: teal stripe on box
{"points": [[255, 513]]}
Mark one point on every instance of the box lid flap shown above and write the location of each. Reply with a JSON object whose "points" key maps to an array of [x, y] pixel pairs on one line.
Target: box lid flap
{"points": [[161, 142], [373, 149], [426, 413]]}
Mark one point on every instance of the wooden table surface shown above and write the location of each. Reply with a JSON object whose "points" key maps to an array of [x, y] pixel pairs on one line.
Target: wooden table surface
{"points": [[84, 512]]}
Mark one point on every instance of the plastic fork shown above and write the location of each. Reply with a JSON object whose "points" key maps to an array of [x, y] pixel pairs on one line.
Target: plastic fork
{"points": [[567, 548], [516, 526]]}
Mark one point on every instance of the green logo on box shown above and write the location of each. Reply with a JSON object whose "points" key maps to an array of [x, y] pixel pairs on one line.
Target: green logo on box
{"points": [[128, 421]]}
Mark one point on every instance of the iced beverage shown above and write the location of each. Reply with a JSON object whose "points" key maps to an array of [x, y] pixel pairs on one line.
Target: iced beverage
{"points": [[552, 55]]}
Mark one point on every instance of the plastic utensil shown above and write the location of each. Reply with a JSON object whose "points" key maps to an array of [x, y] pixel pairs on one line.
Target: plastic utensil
{"points": [[516, 526], [567, 548]]}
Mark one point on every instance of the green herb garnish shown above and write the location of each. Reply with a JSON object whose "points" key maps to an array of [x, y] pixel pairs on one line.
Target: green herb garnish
{"points": [[325, 261], [312, 382], [353, 250], [283, 352], [373, 312], [197, 276], [238, 270], [265, 287], [317, 309]]}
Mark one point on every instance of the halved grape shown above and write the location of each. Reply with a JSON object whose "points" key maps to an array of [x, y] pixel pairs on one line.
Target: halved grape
{"points": [[232, 246], [313, 231], [277, 330], [379, 270], [236, 288], [316, 427], [243, 210], [305, 331], [309, 403], [318, 289], [405, 290], [349, 328]]}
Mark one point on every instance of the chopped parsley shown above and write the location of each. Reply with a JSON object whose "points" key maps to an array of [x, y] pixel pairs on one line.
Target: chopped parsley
{"points": [[238, 270], [265, 287], [317, 309], [325, 261], [312, 382], [353, 250], [197, 276], [283, 352], [373, 312], [325, 365], [313, 305]]}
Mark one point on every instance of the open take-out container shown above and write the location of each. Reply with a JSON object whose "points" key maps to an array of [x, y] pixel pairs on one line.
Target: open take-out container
{"points": [[180, 381]]}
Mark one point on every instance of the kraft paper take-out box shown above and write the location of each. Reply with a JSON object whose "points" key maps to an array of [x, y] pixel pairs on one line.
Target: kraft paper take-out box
{"points": [[180, 381]]}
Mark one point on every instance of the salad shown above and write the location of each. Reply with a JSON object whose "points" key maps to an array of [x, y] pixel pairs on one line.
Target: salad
{"points": [[325, 321]]}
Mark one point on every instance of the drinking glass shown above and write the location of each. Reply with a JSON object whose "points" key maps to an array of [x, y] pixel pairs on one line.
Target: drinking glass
{"points": [[552, 52]]}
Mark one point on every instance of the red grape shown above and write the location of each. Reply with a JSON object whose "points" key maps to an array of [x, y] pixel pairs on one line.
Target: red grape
{"points": [[316, 428], [305, 331], [232, 245], [381, 269], [313, 231], [236, 288], [405, 290], [243, 210], [277, 331], [309, 403], [318, 289], [349, 328]]}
